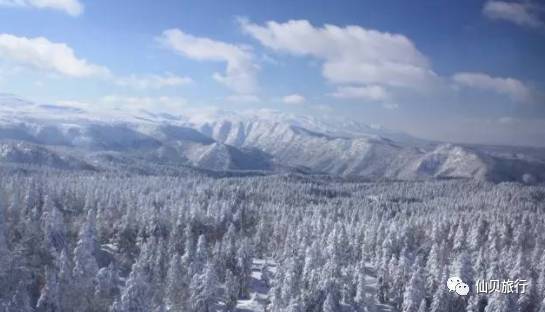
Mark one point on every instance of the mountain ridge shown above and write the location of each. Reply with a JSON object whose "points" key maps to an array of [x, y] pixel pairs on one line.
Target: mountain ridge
{"points": [[268, 142]]}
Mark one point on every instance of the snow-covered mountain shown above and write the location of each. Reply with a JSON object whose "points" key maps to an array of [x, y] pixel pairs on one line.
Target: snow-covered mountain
{"points": [[34, 155], [298, 146], [261, 140], [352, 149]]}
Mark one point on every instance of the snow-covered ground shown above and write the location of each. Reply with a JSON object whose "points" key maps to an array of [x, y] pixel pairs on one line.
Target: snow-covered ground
{"points": [[371, 283], [260, 295], [259, 290]]}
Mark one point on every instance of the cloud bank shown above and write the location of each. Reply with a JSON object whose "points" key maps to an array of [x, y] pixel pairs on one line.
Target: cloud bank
{"points": [[241, 71], [520, 13], [351, 54], [511, 87], [70, 7], [42, 54]]}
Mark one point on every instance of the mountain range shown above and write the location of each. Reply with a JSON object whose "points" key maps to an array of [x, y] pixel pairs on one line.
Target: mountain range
{"points": [[76, 138]]}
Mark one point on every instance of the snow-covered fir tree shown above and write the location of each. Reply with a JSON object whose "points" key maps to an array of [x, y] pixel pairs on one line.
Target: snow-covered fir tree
{"points": [[101, 242]]}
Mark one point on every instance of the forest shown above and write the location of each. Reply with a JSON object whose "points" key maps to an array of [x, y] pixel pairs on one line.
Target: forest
{"points": [[83, 241]]}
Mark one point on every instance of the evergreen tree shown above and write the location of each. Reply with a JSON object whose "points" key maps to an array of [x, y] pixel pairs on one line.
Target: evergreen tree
{"points": [[49, 300], [66, 290], [500, 303], [360, 291], [459, 239], [331, 304], [54, 226], [106, 288], [291, 282], [177, 285], [136, 295], [244, 267], [414, 293], [434, 267], [321, 241], [463, 268], [231, 289], [201, 255], [204, 290], [4, 251], [440, 299], [399, 280], [85, 265]]}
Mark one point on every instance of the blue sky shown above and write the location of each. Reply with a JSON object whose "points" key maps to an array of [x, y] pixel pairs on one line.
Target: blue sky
{"points": [[464, 71]]}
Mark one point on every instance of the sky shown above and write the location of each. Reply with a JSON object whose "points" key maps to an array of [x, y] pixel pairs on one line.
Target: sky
{"points": [[461, 71]]}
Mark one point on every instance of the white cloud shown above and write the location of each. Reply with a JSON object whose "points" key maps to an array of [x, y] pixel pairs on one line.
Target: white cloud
{"points": [[50, 57], [243, 98], [153, 81], [42, 54], [351, 54], [294, 99], [507, 86], [71, 7], [372, 93], [240, 74], [520, 13]]}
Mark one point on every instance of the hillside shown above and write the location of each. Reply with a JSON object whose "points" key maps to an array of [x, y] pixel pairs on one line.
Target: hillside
{"points": [[264, 141]]}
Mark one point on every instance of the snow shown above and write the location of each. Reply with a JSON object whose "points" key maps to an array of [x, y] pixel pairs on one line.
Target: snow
{"points": [[371, 283], [15, 108], [220, 140], [260, 292]]}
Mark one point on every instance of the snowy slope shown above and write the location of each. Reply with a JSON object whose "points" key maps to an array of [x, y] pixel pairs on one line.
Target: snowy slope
{"points": [[260, 288], [454, 161], [368, 155], [448, 161], [261, 140], [333, 126], [30, 154]]}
